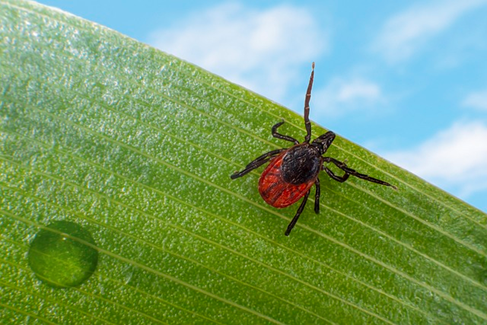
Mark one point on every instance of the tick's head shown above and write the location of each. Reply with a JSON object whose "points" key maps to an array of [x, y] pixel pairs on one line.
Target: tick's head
{"points": [[323, 142]]}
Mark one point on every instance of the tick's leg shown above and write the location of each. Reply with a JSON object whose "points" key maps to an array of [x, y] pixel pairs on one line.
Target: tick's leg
{"points": [[256, 163], [282, 136], [340, 179], [317, 196], [298, 213], [349, 171], [307, 123]]}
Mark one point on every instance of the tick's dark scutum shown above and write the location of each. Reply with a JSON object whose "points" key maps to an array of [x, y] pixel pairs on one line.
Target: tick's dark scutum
{"points": [[301, 164]]}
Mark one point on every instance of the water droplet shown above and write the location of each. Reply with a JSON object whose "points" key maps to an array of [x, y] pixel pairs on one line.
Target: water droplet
{"points": [[59, 256]]}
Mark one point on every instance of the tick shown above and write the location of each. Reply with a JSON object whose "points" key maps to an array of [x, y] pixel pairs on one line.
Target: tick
{"points": [[292, 171]]}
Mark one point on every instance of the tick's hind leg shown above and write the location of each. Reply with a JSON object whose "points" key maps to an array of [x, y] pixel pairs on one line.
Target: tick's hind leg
{"points": [[259, 161], [275, 134], [349, 171], [298, 213], [317, 196]]}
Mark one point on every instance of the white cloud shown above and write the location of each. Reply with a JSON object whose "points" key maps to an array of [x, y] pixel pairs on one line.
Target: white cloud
{"points": [[341, 96], [455, 158], [404, 33], [260, 50], [477, 100]]}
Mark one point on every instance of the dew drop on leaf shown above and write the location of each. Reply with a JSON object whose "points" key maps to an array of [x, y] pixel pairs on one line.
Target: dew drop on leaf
{"points": [[59, 254]]}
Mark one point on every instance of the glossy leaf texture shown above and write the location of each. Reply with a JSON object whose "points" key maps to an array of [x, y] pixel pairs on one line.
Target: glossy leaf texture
{"points": [[137, 146]]}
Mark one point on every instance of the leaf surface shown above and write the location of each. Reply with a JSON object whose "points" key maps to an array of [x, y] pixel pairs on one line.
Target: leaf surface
{"points": [[137, 147]]}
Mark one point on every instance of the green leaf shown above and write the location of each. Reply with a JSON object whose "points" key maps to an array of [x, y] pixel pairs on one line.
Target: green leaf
{"points": [[137, 147]]}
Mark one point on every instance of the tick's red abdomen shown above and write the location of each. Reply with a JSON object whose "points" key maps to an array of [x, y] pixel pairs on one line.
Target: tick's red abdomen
{"points": [[275, 191]]}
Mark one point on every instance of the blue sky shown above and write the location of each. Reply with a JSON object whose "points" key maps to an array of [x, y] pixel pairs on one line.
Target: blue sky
{"points": [[407, 80]]}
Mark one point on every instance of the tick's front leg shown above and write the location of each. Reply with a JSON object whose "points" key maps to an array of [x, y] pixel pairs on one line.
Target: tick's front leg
{"points": [[349, 171]]}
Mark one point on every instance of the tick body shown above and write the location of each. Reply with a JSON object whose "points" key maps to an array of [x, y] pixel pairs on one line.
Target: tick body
{"points": [[290, 175], [293, 171]]}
